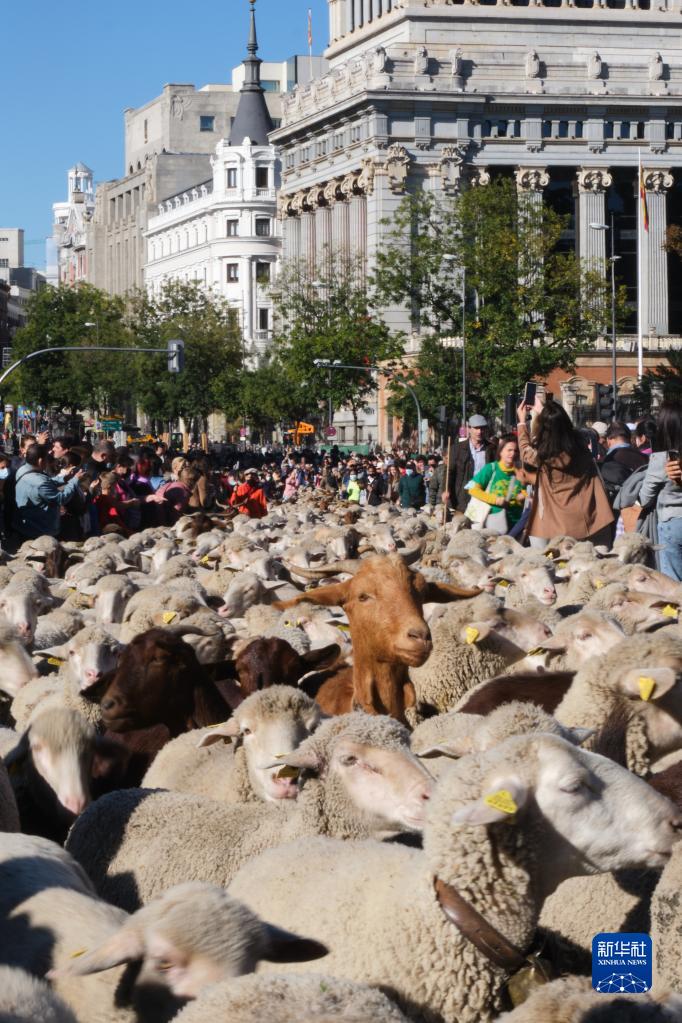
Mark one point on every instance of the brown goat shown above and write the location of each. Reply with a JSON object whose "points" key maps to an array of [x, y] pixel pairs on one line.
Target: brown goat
{"points": [[383, 601]]}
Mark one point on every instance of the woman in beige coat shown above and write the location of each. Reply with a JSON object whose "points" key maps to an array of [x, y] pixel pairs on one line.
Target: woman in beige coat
{"points": [[569, 497]]}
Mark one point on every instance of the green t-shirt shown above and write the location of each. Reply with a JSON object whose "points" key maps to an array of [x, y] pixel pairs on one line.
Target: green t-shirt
{"points": [[495, 479]]}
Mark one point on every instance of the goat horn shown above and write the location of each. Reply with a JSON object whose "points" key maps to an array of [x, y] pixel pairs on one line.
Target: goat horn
{"points": [[414, 554]]}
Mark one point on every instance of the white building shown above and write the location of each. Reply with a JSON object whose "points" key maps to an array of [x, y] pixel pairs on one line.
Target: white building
{"points": [[223, 232], [11, 250], [67, 250]]}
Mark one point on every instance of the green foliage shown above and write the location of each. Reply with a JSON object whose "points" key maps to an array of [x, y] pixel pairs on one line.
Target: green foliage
{"points": [[213, 352], [269, 395], [529, 306], [333, 317], [75, 317], [666, 379]]}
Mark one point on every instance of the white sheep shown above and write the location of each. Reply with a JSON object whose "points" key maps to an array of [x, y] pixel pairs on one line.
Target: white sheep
{"points": [[504, 828], [25, 999], [137, 842], [16, 667], [282, 999], [268, 723], [573, 1000], [190, 937]]}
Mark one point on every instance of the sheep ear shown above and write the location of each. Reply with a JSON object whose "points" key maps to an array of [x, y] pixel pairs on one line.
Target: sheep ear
{"points": [[62, 652], [648, 683], [559, 643], [500, 803], [125, 946], [579, 736], [474, 632], [284, 947], [454, 748], [229, 730], [304, 758], [323, 657]]}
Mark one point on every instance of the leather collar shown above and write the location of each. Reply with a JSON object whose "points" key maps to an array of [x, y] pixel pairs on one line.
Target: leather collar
{"points": [[476, 929]]}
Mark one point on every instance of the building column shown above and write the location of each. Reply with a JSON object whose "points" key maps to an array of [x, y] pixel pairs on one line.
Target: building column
{"points": [[592, 185], [350, 15], [358, 13], [358, 225], [530, 182], [367, 11], [323, 236], [247, 300], [340, 228], [654, 256]]}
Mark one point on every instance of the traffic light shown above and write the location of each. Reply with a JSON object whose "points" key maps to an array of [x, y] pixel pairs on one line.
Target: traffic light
{"points": [[176, 356], [605, 402]]}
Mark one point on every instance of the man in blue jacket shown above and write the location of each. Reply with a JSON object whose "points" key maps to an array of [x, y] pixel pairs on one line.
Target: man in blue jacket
{"points": [[38, 498]]}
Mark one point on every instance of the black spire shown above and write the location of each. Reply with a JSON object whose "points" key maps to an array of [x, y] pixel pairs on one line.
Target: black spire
{"points": [[252, 119]]}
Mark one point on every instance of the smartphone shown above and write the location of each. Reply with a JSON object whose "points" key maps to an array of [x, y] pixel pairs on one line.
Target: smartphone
{"points": [[529, 393], [673, 456]]}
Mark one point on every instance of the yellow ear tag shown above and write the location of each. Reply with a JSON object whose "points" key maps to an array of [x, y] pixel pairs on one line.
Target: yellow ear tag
{"points": [[342, 627], [471, 634], [80, 952], [561, 564], [502, 801], [646, 686], [168, 616], [504, 583], [599, 584], [535, 652], [288, 772], [55, 661], [670, 612], [205, 560]]}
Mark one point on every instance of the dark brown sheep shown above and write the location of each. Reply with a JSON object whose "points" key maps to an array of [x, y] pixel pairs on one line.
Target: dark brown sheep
{"points": [[269, 661], [159, 681]]}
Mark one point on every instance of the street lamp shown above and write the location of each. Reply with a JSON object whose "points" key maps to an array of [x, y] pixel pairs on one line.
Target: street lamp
{"points": [[613, 258]]}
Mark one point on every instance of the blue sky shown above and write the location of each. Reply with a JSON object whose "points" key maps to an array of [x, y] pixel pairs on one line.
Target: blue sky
{"points": [[68, 71]]}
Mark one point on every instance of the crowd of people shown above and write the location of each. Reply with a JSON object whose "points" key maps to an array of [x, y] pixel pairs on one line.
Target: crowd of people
{"points": [[544, 478]]}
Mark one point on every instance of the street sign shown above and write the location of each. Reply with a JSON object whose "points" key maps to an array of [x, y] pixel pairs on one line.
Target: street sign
{"points": [[112, 424], [304, 428], [331, 431]]}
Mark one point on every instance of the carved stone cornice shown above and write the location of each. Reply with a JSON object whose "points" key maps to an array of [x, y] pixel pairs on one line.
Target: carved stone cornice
{"points": [[594, 179], [332, 191], [366, 178], [349, 185], [298, 203], [657, 179], [479, 176], [397, 167], [531, 179], [315, 198], [450, 168]]}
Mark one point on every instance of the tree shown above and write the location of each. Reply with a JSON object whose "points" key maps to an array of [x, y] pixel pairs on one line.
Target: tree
{"points": [[331, 317], [530, 307], [269, 395], [213, 352], [77, 316]]}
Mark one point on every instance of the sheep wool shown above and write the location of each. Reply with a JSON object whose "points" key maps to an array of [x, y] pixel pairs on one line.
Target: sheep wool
{"points": [[25, 999], [572, 1000], [283, 999], [666, 929], [135, 843], [453, 667], [594, 693]]}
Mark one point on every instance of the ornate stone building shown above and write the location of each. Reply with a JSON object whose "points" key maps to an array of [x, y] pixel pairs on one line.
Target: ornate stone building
{"points": [[562, 94], [224, 232]]}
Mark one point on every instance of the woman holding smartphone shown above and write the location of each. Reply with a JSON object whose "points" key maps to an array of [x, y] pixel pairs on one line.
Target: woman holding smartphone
{"points": [[662, 488], [569, 497]]}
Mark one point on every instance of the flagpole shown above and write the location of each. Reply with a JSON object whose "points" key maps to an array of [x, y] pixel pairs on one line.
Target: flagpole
{"points": [[310, 40], [641, 199]]}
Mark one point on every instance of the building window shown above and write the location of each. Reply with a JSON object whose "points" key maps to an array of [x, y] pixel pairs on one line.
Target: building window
{"points": [[231, 177], [4, 264], [232, 272], [263, 227], [206, 123], [232, 228], [264, 319], [146, 131], [262, 176], [263, 273], [269, 85], [6, 357]]}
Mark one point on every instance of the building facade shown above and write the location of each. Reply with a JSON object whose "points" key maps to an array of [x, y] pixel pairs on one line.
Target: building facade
{"points": [[223, 232], [169, 146], [11, 250], [70, 220], [562, 94]]}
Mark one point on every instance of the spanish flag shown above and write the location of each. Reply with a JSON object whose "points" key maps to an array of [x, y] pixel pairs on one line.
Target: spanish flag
{"points": [[310, 27], [642, 198]]}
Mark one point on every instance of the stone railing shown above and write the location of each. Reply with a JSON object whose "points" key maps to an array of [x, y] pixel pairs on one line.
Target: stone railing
{"points": [[185, 198]]}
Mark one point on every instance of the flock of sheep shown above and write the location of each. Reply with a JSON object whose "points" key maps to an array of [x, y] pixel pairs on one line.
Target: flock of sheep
{"points": [[335, 766]]}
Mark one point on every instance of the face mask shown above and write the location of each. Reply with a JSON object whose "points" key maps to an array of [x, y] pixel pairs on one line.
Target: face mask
{"points": [[4, 473], [409, 472], [353, 477]]}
